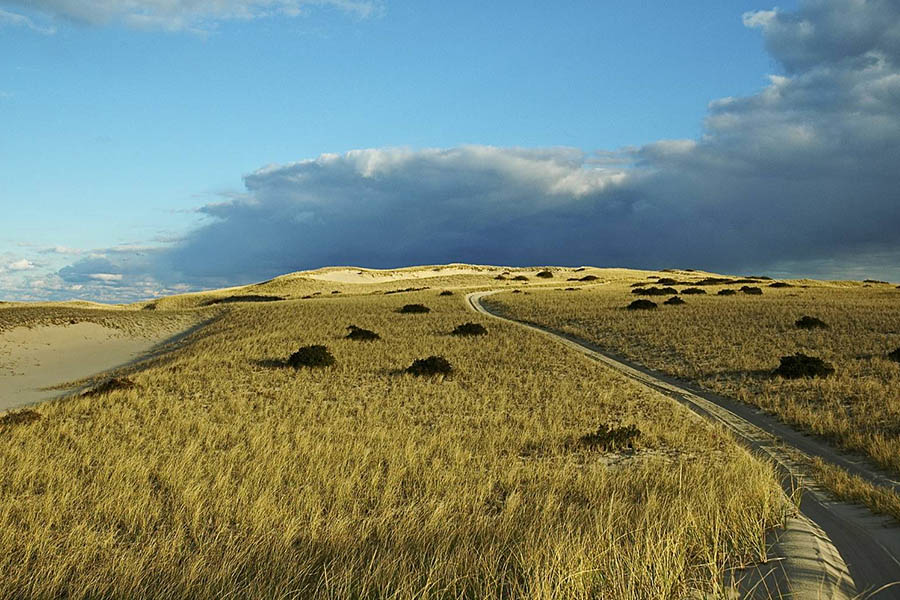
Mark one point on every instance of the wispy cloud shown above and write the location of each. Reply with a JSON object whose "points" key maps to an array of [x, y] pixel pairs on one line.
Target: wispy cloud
{"points": [[15, 19], [180, 15]]}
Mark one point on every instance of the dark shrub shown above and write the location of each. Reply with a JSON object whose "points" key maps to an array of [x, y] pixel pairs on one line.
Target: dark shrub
{"points": [[800, 365], [641, 305], [446, 293], [109, 385], [517, 291], [589, 278], [639, 284], [500, 277], [780, 284], [520, 278], [654, 291], [579, 269], [753, 291], [674, 301], [410, 289], [726, 292], [545, 275], [666, 281], [873, 281], [469, 329], [571, 289], [894, 356], [151, 306], [611, 438], [20, 417], [361, 335], [335, 291], [433, 365], [244, 298], [311, 356], [414, 308], [689, 291], [806, 322]]}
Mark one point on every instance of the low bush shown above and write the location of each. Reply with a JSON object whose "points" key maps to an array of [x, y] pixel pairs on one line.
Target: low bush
{"points": [[692, 290], [589, 278], [726, 292], [894, 356], [446, 293], [404, 290], [469, 329], [500, 277], [674, 301], [109, 385], [666, 281], [753, 291], [520, 278], [413, 308], [433, 365], [244, 298], [611, 439], [807, 322], [655, 291], [799, 366], [874, 281], [19, 417], [780, 284], [311, 356], [544, 275], [361, 335], [641, 305]]}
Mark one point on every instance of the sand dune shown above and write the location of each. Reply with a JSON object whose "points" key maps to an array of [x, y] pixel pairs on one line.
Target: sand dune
{"points": [[356, 275], [32, 359]]}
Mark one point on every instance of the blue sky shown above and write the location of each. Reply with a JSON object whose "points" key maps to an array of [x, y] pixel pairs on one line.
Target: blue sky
{"points": [[132, 130]]}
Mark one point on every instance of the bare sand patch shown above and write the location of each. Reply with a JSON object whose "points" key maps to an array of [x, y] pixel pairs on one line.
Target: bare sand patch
{"points": [[33, 359]]}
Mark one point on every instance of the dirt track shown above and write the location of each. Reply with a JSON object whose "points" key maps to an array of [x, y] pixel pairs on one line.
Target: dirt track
{"points": [[832, 549]]}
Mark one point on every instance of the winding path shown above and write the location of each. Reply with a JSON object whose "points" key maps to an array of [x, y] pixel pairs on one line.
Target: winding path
{"points": [[831, 549]]}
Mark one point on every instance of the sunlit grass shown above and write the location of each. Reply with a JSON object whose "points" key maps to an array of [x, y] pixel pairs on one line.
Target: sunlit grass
{"points": [[223, 474]]}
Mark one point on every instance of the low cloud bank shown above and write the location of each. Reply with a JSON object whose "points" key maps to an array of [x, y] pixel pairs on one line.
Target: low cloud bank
{"points": [[799, 178]]}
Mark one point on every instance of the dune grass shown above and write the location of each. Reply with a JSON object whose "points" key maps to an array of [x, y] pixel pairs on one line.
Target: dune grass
{"points": [[732, 344], [222, 473]]}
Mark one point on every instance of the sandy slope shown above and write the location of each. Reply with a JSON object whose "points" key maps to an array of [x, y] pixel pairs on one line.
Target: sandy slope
{"points": [[357, 275], [49, 355]]}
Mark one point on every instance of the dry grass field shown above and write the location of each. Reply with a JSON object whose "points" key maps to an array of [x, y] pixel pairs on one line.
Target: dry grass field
{"points": [[731, 345], [224, 473]]}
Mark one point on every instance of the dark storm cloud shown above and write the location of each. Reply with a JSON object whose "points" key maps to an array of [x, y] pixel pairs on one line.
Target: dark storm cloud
{"points": [[805, 172]]}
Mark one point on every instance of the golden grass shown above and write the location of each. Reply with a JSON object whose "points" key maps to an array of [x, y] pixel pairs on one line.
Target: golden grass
{"points": [[223, 475], [731, 345]]}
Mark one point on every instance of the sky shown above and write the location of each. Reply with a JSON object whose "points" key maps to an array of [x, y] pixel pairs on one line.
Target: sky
{"points": [[149, 147]]}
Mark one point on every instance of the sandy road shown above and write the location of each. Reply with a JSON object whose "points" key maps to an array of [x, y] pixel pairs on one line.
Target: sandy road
{"points": [[831, 549]]}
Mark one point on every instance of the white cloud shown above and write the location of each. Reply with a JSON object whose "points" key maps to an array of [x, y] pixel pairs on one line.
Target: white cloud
{"points": [[107, 277], [175, 15], [20, 265]]}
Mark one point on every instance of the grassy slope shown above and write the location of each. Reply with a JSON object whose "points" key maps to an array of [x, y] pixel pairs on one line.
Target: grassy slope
{"points": [[732, 344], [222, 472]]}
